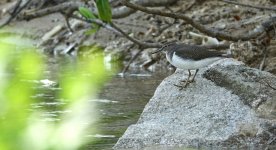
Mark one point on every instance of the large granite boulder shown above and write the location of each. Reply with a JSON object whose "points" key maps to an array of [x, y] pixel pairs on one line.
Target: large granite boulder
{"points": [[229, 106]]}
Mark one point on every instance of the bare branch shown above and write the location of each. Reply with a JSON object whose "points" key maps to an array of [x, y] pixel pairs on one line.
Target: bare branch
{"points": [[142, 45], [130, 61], [112, 27], [197, 25], [120, 12], [17, 9], [58, 8], [98, 22]]}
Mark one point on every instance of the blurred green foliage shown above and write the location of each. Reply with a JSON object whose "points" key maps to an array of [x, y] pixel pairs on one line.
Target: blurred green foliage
{"points": [[21, 128], [104, 13]]}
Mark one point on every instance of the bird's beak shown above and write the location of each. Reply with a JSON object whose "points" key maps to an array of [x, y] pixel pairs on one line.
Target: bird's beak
{"points": [[158, 50]]}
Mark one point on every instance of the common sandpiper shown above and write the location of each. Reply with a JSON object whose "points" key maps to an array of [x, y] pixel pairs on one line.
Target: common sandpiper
{"points": [[190, 57]]}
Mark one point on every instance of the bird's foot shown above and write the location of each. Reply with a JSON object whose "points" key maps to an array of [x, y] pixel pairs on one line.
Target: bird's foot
{"points": [[179, 86], [186, 80], [182, 86]]}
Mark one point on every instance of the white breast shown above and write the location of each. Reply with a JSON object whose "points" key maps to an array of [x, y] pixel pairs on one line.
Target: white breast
{"points": [[191, 64]]}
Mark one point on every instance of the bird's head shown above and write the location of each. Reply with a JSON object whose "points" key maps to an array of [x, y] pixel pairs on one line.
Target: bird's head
{"points": [[165, 47]]}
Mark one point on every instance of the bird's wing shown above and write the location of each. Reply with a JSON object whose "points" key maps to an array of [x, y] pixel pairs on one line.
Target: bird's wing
{"points": [[196, 52]]}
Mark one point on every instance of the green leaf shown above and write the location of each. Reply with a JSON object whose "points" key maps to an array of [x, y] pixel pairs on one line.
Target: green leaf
{"points": [[85, 12], [104, 10]]}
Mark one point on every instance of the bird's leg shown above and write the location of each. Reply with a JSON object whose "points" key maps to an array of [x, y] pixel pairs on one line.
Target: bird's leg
{"points": [[193, 79], [187, 81]]}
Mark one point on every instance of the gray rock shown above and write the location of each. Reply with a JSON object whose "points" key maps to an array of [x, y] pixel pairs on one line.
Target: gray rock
{"points": [[229, 106]]}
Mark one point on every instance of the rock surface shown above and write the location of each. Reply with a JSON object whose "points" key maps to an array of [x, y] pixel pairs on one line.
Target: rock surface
{"points": [[229, 105]]}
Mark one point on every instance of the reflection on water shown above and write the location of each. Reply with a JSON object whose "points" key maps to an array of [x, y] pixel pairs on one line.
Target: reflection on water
{"points": [[127, 98], [119, 104]]}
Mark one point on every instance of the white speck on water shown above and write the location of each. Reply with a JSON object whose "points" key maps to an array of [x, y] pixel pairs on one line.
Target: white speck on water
{"points": [[101, 136], [47, 83], [103, 101]]}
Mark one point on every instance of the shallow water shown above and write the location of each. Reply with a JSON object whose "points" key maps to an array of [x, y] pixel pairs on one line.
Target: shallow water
{"points": [[118, 104]]}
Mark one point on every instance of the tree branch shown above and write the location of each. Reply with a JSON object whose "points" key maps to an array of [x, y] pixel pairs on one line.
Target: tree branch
{"points": [[17, 9], [143, 45], [112, 27], [197, 25], [58, 8]]}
